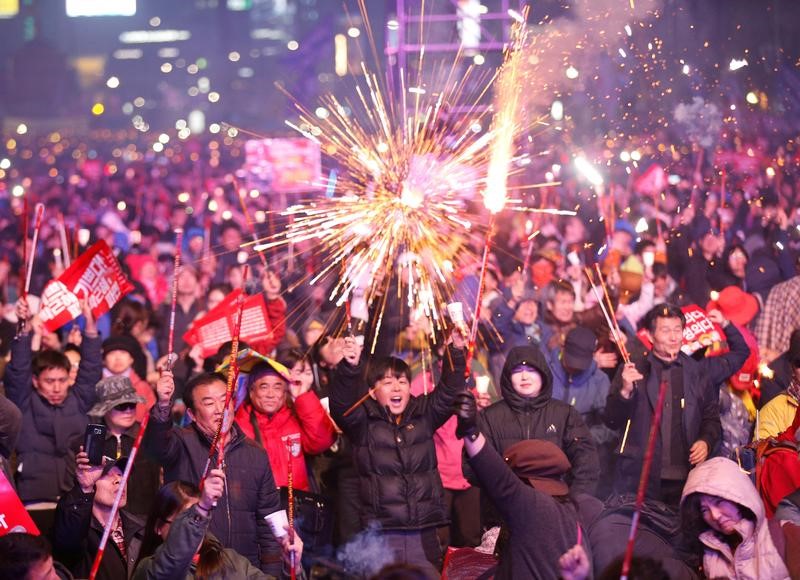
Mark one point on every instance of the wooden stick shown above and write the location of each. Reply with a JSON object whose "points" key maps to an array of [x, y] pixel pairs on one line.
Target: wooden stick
{"points": [[358, 403], [39, 214]]}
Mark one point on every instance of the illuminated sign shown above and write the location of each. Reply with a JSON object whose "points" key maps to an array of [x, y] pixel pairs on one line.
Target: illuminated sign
{"points": [[101, 7]]}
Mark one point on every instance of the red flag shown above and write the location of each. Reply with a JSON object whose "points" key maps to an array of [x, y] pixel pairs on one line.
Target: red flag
{"points": [[652, 181], [96, 274], [13, 516], [216, 327]]}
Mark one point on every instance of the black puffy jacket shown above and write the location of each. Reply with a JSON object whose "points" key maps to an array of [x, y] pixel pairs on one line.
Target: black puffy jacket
{"points": [[396, 461], [516, 418]]}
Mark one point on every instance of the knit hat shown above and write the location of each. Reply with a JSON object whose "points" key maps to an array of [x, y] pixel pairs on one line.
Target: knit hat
{"points": [[113, 391], [736, 305], [540, 463], [122, 342]]}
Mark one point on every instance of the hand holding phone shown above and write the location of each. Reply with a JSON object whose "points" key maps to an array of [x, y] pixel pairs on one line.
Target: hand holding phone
{"points": [[94, 442]]}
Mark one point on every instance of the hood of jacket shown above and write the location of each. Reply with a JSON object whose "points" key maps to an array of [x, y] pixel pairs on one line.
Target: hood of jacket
{"points": [[723, 478], [532, 356]]}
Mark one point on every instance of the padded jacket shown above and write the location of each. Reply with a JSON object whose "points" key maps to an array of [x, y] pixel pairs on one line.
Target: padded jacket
{"points": [[50, 432], [517, 418], [250, 491], [396, 457]]}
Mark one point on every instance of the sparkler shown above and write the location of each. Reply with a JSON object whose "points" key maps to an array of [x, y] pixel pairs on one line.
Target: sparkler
{"points": [[407, 169]]}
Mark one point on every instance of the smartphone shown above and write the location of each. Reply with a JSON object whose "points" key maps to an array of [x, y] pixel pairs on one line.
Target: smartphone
{"points": [[94, 442]]}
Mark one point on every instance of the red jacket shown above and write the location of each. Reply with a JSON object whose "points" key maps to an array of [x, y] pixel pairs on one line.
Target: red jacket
{"points": [[307, 422]]}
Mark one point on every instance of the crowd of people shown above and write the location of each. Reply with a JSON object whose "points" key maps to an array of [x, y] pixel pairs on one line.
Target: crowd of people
{"points": [[402, 461]]}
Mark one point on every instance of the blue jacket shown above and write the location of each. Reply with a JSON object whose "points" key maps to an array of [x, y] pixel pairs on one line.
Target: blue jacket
{"points": [[586, 392]]}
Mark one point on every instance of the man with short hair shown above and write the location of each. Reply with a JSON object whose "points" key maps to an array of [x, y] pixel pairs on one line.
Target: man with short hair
{"points": [[24, 556], [559, 314], [689, 431], [690, 424], [53, 414], [392, 436], [251, 494]]}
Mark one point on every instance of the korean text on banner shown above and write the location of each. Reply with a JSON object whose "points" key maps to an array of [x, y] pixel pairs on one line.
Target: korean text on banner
{"points": [[96, 274], [216, 328]]}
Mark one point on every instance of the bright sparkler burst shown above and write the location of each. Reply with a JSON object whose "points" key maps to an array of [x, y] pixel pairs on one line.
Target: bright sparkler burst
{"points": [[407, 169]]}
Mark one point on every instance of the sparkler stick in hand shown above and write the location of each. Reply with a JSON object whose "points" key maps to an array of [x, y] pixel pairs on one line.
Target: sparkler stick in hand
{"points": [[233, 371], [117, 498], [171, 357]]}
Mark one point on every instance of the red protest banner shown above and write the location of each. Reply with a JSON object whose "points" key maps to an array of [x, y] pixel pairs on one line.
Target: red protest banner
{"points": [[14, 518], [216, 327], [97, 275]]}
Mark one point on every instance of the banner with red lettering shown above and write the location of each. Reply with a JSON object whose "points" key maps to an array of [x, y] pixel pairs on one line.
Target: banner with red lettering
{"points": [[216, 327], [699, 332], [96, 274], [14, 518]]}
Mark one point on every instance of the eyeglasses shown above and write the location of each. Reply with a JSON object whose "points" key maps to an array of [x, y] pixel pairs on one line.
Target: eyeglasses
{"points": [[125, 407]]}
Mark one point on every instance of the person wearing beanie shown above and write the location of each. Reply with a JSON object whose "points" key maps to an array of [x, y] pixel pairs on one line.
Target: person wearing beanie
{"points": [[527, 485], [119, 352]]}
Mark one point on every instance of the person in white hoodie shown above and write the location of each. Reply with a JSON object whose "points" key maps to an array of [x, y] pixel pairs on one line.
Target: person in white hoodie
{"points": [[724, 515]]}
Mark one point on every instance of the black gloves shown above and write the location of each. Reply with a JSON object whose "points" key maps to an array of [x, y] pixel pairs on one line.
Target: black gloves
{"points": [[466, 411]]}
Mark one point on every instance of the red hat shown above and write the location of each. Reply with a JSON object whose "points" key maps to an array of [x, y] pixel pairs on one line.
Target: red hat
{"points": [[744, 379], [736, 305], [541, 463]]}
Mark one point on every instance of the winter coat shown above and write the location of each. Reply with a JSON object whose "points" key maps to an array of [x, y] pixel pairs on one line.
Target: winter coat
{"points": [[250, 492], [513, 332], [396, 459], [776, 416], [173, 559], [533, 548], [586, 392], [77, 534], [756, 557], [699, 409], [517, 418], [48, 431], [145, 478], [305, 422]]}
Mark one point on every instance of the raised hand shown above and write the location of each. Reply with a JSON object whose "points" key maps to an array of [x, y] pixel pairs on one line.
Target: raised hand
{"points": [[213, 488], [165, 387], [85, 473], [466, 411]]}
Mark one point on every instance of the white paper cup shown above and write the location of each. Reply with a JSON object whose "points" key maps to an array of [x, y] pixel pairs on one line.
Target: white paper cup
{"points": [[482, 384], [278, 521], [456, 312]]}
